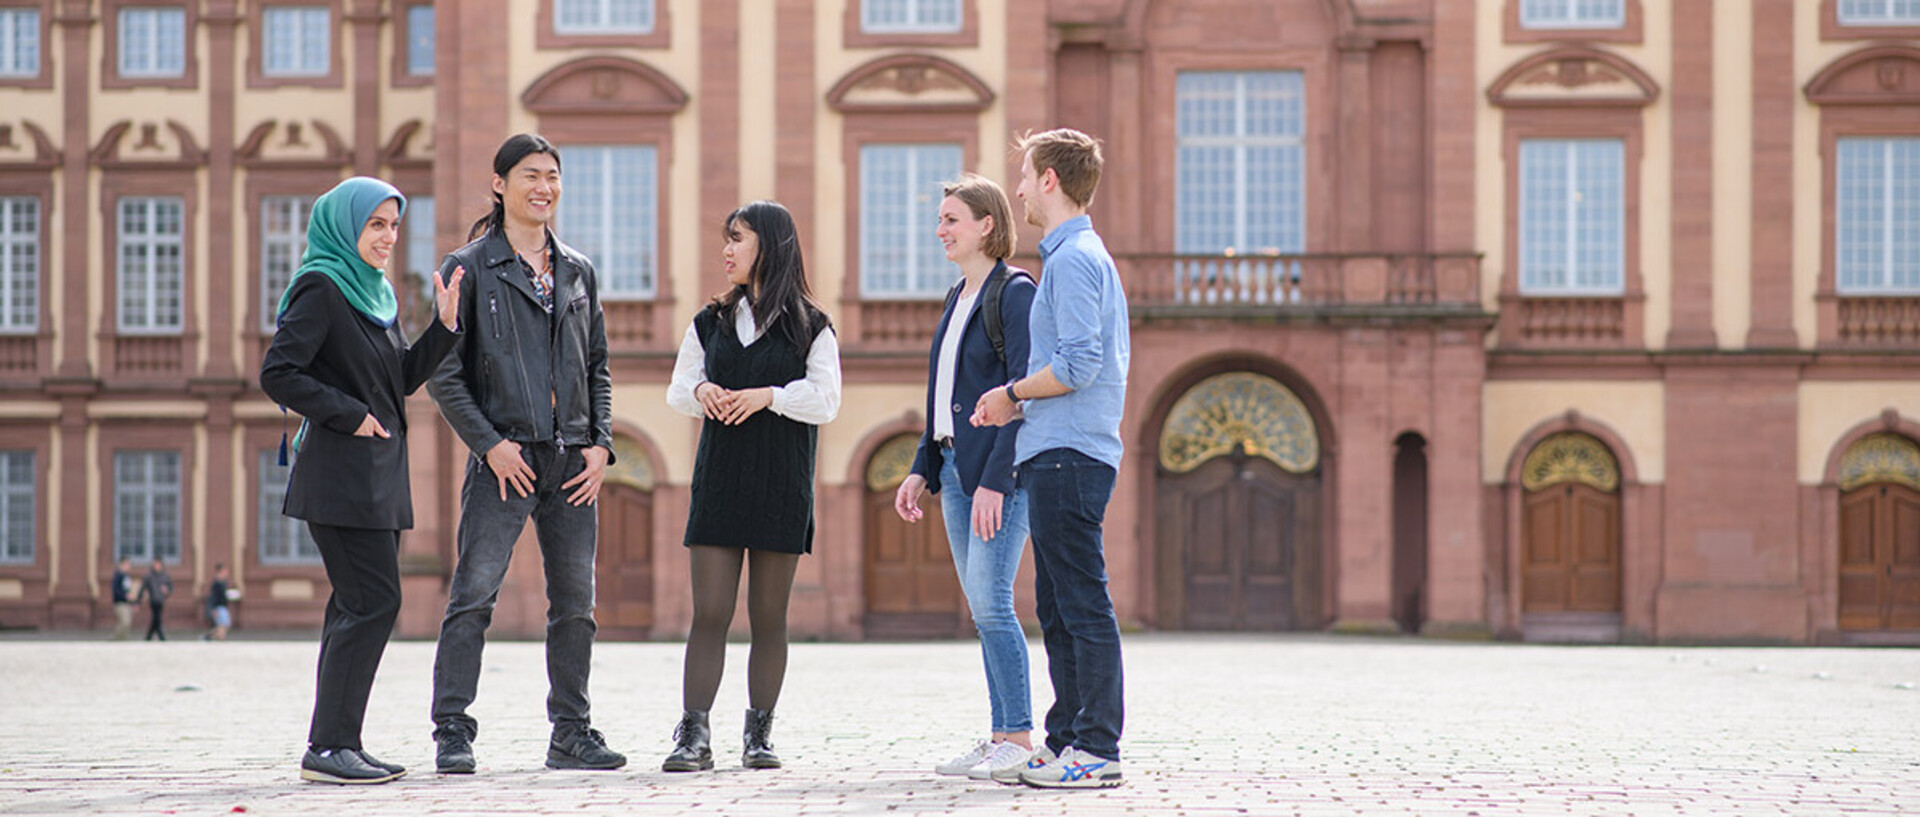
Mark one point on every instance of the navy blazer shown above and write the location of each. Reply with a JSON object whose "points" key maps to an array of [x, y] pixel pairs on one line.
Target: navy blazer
{"points": [[333, 366], [984, 456]]}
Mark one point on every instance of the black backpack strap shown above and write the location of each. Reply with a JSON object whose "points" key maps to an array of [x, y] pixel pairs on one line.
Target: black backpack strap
{"points": [[990, 307]]}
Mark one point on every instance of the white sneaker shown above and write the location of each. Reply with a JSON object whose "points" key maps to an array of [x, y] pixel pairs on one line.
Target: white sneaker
{"points": [[960, 765], [1074, 769], [1003, 756], [1011, 775]]}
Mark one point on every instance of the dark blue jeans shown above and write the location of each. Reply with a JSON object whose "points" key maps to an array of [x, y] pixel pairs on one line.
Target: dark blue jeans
{"points": [[488, 529], [1067, 494]]}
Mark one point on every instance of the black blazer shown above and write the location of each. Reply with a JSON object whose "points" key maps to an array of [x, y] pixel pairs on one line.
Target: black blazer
{"points": [[984, 456], [332, 365]]}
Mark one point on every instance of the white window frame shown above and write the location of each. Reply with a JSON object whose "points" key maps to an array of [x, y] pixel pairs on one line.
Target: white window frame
{"points": [[922, 17], [1870, 258], [151, 300], [1566, 222], [20, 264], [288, 244], [1878, 12], [897, 225], [1557, 14], [141, 28], [1292, 238], [137, 481], [20, 42], [282, 539], [17, 508], [420, 40], [602, 17], [283, 27], [626, 254]]}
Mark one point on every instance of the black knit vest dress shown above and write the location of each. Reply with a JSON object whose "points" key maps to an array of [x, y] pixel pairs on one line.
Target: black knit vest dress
{"points": [[753, 482]]}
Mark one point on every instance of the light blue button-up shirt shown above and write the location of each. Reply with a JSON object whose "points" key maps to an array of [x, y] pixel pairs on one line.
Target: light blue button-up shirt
{"points": [[1079, 327]]}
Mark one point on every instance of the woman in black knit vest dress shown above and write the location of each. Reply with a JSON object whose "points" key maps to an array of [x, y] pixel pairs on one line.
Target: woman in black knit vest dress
{"points": [[762, 366]]}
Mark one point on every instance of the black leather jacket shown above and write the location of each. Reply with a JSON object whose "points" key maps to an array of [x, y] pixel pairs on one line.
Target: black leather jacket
{"points": [[496, 384]]}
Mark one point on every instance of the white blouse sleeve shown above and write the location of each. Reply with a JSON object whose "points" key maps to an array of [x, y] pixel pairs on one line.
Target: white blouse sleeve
{"points": [[814, 400], [689, 371]]}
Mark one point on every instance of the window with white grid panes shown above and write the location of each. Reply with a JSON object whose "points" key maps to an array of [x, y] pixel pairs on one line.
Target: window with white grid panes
{"points": [[284, 540], [1876, 237], [1239, 162], [19, 42], [153, 42], [19, 264], [602, 17], [900, 257], [1572, 216], [146, 505], [16, 507], [283, 237], [1879, 12], [420, 41], [909, 16], [1573, 13], [420, 259], [612, 214], [296, 41], [151, 276]]}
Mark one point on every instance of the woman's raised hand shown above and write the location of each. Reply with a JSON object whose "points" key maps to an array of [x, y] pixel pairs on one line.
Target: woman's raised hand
{"points": [[446, 297]]}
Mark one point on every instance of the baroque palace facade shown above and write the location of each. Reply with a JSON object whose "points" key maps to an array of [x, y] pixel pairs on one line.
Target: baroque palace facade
{"points": [[1535, 319]]}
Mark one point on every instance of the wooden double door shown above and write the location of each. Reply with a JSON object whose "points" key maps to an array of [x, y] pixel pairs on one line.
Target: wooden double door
{"points": [[1880, 558], [1570, 560], [1239, 547], [623, 575], [912, 591]]}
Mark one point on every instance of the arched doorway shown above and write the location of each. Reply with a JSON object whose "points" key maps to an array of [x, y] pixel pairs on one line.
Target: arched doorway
{"points": [[1570, 541], [1237, 513], [1880, 534], [911, 589], [623, 573]]}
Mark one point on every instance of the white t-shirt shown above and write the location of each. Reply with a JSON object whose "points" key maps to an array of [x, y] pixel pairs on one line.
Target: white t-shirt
{"points": [[948, 364]]}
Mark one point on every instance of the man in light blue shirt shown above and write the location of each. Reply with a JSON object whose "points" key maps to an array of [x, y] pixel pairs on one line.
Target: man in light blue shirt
{"points": [[1068, 453]]}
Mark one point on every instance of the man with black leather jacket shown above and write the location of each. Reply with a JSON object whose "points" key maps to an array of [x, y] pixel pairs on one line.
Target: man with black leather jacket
{"points": [[528, 390]]}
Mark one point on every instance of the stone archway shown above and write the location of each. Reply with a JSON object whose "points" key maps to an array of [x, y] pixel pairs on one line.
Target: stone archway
{"points": [[1570, 557], [1879, 568], [1237, 508]]}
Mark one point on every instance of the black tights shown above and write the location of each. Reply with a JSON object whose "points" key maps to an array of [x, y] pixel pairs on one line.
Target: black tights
{"points": [[716, 584]]}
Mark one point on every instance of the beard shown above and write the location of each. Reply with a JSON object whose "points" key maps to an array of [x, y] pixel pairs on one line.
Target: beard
{"points": [[1031, 213]]}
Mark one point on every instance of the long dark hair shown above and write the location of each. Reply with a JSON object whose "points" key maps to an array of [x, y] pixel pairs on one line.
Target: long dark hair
{"points": [[786, 303], [517, 147]]}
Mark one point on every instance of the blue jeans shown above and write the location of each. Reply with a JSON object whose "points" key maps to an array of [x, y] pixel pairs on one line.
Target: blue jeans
{"points": [[488, 529], [986, 569], [1069, 491]]}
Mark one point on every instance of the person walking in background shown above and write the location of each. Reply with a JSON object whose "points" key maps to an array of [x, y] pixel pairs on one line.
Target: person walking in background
{"points": [[528, 390], [122, 587], [338, 358], [761, 364], [1068, 451], [156, 588], [219, 613], [980, 344]]}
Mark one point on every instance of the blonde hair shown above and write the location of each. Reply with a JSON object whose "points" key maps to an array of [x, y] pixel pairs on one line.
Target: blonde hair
{"points": [[985, 199], [1074, 158]]}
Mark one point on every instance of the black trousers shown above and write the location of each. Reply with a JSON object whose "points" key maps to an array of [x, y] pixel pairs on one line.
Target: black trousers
{"points": [[159, 611], [364, 567]]}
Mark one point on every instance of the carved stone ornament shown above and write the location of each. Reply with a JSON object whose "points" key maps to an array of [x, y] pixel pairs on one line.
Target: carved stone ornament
{"points": [[604, 84], [889, 465], [1881, 458], [1570, 457], [630, 464], [1573, 75], [1874, 75], [909, 82], [1245, 411]]}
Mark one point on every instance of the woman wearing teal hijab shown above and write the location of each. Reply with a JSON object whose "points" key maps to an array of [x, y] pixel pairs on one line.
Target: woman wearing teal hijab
{"points": [[339, 359]]}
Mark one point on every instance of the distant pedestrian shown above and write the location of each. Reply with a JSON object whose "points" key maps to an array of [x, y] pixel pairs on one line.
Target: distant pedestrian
{"points": [[122, 585], [219, 615], [156, 588]]}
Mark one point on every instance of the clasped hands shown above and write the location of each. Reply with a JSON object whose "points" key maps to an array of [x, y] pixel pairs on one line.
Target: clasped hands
{"points": [[729, 406]]}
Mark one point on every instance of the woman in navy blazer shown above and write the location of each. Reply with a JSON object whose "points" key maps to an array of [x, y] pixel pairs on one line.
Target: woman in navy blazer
{"points": [[339, 359], [971, 469]]}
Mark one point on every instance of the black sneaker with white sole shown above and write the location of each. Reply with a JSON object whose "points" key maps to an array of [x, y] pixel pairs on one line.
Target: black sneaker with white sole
{"points": [[582, 748]]}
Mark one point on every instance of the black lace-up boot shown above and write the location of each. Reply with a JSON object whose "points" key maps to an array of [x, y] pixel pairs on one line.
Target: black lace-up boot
{"points": [[692, 750], [759, 752]]}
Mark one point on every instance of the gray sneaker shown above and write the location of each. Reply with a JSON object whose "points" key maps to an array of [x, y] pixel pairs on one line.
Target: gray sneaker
{"points": [[1011, 775], [1002, 756], [959, 765], [1074, 769]]}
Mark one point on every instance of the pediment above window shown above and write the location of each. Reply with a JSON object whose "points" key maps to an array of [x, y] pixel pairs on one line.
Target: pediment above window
{"points": [[26, 145], [146, 144], [294, 143], [909, 83], [604, 85], [1878, 75], [1573, 76]]}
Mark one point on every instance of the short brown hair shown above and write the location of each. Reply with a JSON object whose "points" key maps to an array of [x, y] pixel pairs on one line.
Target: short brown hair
{"points": [[985, 198], [1073, 156]]}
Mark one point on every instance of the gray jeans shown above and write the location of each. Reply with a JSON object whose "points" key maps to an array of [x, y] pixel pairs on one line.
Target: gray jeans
{"points": [[488, 528]]}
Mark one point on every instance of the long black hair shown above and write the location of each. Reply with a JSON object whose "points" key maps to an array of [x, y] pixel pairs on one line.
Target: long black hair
{"points": [[517, 147], [785, 303]]}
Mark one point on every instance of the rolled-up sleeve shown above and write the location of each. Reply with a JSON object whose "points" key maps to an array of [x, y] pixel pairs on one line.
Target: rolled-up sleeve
{"points": [[1077, 349]]}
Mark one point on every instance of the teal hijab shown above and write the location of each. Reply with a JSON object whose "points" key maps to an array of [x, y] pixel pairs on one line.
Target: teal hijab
{"points": [[333, 247]]}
